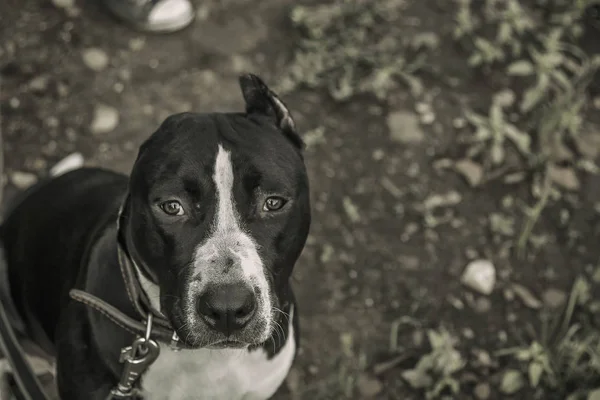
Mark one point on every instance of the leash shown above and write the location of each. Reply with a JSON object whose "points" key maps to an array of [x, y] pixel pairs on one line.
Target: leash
{"points": [[26, 380], [144, 350]]}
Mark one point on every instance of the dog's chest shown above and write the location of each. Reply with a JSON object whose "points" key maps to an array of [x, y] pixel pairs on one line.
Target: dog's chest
{"points": [[229, 374]]}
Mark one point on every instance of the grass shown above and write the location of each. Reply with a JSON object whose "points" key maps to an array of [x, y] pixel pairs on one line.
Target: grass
{"points": [[549, 77], [354, 47], [565, 353]]}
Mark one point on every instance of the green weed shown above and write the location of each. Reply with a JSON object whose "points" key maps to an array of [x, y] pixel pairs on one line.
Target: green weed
{"points": [[351, 47], [550, 74], [566, 352]]}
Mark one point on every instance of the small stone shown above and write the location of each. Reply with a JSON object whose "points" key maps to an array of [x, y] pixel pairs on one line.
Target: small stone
{"points": [[564, 177], [480, 275], [52, 122], [14, 102], [378, 154], [482, 391], [136, 44], [62, 89], [554, 298], [118, 87], [511, 179], [470, 170], [468, 333], [512, 382], [502, 336], [428, 118], [459, 123], [526, 296], [23, 180], [351, 210], [482, 305], [404, 128], [409, 263], [483, 358], [588, 143], [95, 59], [105, 119], [423, 108], [368, 386], [39, 84], [63, 3], [69, 163], [124, 74]]}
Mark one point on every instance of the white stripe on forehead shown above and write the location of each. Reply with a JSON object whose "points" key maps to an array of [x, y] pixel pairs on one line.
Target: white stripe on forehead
{"points": [[226, 218], [227, 240]]}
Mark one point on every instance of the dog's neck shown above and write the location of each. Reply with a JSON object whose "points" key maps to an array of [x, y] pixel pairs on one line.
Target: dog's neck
{"points": [[148, 285]]}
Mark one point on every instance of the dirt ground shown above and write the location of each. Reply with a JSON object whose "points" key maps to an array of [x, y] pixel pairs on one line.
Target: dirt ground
{"points": [[371, 259]]}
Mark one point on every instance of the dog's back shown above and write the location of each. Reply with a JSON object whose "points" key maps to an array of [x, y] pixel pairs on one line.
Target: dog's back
{"points": [[46, 235]]}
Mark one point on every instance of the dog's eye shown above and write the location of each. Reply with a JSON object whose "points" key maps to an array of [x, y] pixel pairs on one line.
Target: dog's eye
{"points": [[172, 207], [274, 203]]}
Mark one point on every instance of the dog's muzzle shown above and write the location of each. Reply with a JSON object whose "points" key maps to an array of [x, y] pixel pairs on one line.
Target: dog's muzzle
{"points": [[227, 307]]}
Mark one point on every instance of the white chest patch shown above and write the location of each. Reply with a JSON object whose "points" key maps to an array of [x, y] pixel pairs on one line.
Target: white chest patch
{"points": [[227, 374]]}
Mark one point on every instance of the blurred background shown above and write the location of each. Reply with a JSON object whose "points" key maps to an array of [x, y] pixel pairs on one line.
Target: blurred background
{"points": [[452, 150]]}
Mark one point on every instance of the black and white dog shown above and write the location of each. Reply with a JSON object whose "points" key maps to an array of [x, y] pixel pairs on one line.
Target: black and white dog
{"points": [[213, 218]]}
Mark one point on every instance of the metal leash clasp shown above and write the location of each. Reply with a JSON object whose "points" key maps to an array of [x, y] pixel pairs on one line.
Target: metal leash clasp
{"points": [[135, 359]]}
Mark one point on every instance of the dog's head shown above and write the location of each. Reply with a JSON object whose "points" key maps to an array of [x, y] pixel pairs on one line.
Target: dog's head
{"points": [[216, 217]]}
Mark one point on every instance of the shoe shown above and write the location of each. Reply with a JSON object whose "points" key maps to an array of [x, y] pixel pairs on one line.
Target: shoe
{"points": [[153, 15]]}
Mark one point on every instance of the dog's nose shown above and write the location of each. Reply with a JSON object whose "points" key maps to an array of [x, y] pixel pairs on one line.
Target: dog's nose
{"points": [[227, 307]]}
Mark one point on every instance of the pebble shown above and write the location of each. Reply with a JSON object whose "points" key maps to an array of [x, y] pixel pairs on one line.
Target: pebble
{"points": [[459, 123], [526, 296], [480, 275], [64, 3], [368, 386], [136, 44], [23, 180], [69, 163], [404, 127], [564, 177], [483, 358], [428, 118], [482, 305], [470, 170], [52, 122], [106, 119], [95, 59], [423, 108], [482, 391], [378, 154], [39, 83], [554, 298]]}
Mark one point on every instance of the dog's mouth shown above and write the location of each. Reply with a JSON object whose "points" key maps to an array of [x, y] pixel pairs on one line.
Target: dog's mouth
{"points": [[228, 344]]}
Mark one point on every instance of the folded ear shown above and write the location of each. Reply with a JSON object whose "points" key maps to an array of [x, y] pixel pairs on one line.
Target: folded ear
{"points": [[263, 101]]}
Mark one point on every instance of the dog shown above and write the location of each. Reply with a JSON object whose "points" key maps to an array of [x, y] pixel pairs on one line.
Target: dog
{"points": [[211, 221]]}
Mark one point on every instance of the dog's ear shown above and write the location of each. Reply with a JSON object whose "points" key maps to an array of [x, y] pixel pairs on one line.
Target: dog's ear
{"points": [[263, 101]]}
